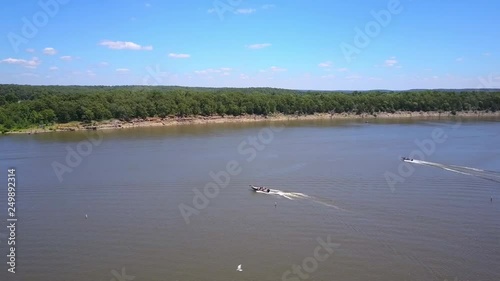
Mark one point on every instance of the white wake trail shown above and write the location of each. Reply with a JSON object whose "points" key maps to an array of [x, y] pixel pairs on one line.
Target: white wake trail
{"points": [[468, 171], [300, 196], [452, 170]]}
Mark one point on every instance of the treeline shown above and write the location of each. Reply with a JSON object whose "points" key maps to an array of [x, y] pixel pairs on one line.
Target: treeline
{"points": [[27, 106]]}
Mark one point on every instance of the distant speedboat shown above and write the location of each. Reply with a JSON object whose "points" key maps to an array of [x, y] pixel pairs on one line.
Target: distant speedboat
{"points": [[260, 189], [406, 159]]}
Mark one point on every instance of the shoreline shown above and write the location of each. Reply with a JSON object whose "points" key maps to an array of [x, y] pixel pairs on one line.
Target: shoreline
{"points": [[177, 121]]}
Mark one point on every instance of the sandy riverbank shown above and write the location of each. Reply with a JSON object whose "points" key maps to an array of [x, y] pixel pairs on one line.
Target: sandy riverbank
{"points": [[174, 121]]}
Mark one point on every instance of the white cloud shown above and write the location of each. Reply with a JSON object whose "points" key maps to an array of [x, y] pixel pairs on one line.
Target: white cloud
{"points": [[179, 56], [268, 6], [122, 70], [53, 68], [49, 51], [329, 76], [277, 69], [325, 64], [124, 45], [273, 69], [353, 77], [33, 63], [237, 11], [391, 62], [104, 63], [244, 76], [224, 71], [259, 46], [29, 74], [207, 71], [67, 58], [91, 73], [245, 11], [30, 50]]}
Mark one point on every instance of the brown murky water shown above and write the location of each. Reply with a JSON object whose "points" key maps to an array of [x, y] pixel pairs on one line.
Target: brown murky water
{"points": [[329, 181]]}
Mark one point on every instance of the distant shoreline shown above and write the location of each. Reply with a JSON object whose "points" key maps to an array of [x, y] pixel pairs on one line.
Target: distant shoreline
{"points": [[177, 121]]}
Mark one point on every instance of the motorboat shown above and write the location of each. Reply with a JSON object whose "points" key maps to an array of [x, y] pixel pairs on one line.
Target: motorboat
{"points": [[260, 188]]}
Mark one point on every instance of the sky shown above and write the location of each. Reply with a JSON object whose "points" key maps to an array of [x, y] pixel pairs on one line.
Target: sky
{"points": [[292, 44]]}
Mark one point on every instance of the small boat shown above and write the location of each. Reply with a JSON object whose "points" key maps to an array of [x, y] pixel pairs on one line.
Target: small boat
{"points": [[260, 188], [406, 159]]}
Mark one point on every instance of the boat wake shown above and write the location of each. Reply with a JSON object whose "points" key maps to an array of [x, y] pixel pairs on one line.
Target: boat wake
{"points": [[468, 171], [300, 196]]}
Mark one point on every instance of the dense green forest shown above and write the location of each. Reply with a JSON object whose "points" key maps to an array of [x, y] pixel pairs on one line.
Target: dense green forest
{"points": [[28, 106]]}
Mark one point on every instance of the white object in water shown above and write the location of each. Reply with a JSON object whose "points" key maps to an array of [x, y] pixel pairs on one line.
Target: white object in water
{"points": [[86, 216], [239, 268]]}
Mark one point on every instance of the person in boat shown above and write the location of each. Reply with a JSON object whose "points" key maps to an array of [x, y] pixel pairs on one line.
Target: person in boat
{"points": [[268, 190]]}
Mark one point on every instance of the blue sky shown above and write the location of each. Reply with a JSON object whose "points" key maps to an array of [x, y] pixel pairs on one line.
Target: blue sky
{"points": [[324, 45]]}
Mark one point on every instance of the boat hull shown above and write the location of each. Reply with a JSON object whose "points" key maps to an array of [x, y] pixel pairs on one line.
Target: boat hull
{"points": [[258, 189], [254, 188], [406, 159]]}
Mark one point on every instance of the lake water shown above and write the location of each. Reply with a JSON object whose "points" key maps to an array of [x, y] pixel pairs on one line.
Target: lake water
{"points": [[336, 181]]}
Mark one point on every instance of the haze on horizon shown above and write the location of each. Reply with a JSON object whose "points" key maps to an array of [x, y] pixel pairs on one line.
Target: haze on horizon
{"points": [[325, 45]]}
